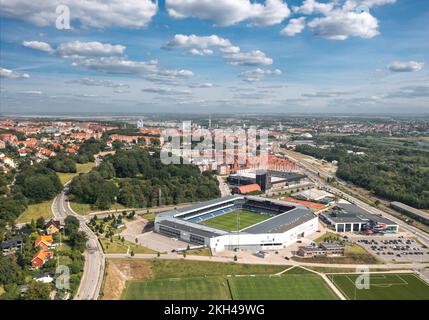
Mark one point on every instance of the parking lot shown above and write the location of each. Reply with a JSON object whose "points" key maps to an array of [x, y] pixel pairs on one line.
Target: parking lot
{"points": [[395, 249]]}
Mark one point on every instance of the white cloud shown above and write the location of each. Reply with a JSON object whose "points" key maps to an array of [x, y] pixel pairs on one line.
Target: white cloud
{"points": [[116, 65], [231, 49], [38, 45], [201, 85], [374, 3], [90, 13], [406, 66], [197, 45], [309, 7], [340, 25], [294, 27], [252, 58], [230, 12], [410, 92], [89, 49], [259, 74], [98, 83], [11, 74], [166, 91]]}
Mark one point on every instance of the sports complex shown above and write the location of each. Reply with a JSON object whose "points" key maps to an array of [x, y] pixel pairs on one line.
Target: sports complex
{"points": [[239, 222]]}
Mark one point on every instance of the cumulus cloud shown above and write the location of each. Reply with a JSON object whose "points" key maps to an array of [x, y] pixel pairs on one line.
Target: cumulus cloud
{"points": [[309, 7], [38, 45], [340, 25], [252, 58], [117, 65], [90, 13], [406, 66], [259, 74], [294, 27], [89, 49], [341, 20], [197, 45], [11, 74], [230, 12]]}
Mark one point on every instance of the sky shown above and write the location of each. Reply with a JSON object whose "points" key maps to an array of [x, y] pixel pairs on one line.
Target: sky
{"points": [[223, 56]]}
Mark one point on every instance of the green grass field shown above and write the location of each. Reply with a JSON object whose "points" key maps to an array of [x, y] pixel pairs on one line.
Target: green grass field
{"points": [[177, 289], [286, 287], [383, 287], [35, 211], [228, 221]]}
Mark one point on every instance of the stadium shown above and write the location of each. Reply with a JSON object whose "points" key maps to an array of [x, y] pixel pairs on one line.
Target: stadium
{"points": [[239, 222]]}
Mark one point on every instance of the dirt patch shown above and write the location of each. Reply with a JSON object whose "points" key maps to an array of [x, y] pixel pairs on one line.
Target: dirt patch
{"points": [[121, 270]]}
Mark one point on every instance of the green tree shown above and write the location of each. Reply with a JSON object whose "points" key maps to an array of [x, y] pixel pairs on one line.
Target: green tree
{"points": [[38, 291]]}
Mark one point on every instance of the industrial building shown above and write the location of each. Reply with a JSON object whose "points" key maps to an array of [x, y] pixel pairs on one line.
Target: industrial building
{"points": [[346, 217]]}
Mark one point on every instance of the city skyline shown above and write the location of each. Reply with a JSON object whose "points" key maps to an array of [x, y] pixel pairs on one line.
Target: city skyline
{"points": [[176, 56]]}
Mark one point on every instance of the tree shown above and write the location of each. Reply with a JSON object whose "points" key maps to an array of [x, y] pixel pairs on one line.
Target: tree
{"points": [[10, 272], [71, 225], [40, 223], [38, 291], [78, 241]]}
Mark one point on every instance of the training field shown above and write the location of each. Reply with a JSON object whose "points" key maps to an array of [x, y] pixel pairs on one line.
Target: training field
{"points": [[177, 289], [228, 221], [285, 287], [383, 287]]}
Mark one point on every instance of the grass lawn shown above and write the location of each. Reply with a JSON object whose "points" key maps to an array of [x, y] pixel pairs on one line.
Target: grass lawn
{"points": [[188, 268], [383, 287], [228, 221], [80, 168], [304, 286], [199, 252], [85, 208], [35, 211], [177, 289], [118, 247], [285, 287]]}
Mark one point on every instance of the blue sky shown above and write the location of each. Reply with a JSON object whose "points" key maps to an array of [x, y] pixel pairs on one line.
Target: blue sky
{"points": [[300, 56]]}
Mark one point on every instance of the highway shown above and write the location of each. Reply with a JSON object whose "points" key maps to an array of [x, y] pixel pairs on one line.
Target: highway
{"points": [[92, 278], [317, 176]]}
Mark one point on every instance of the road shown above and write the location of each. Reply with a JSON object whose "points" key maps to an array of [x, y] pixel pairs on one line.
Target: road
{"points": [[318, 175], [170, 256], [92, 278]]}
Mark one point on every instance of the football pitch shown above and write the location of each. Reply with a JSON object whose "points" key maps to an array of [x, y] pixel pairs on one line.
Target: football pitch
{"points": [[383, 287], [285, 287], [228, 221]]}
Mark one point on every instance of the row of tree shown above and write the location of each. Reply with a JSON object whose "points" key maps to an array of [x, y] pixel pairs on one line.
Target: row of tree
{"points": [[138, 179]]}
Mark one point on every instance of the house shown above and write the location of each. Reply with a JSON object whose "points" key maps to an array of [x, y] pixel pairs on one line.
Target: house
{"points": [[24, 231], [44, 242], [40, 258], [52, 227], [2, 144], [322, 250], [44, 277], [11, 245]]}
